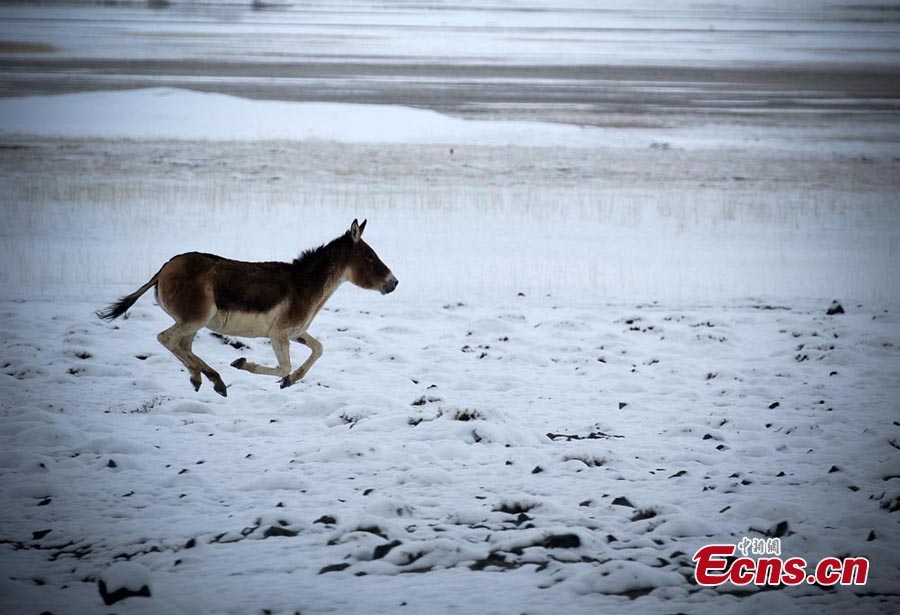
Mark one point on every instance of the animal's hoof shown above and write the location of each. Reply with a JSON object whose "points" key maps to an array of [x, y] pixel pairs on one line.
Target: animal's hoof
{"points": [[286, 382], [239, 363], [196, 384], [220, 388]]}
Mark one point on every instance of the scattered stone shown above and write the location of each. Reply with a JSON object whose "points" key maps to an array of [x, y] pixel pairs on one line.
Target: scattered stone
{"points": [[622, 404], [834, 469], [537, 470], [594, 435], [892, 505], [522, 518], [622, 501], [560, 541], [372, 529], [774, 405], [236, 344], [326, 519], [37, 535], [871, 536], [334, 568], [836, 308], [494, 559], [382, 550], [643, 514], [779, 530], [111, 464], [274, 530], [514, 508], [124, 580]]}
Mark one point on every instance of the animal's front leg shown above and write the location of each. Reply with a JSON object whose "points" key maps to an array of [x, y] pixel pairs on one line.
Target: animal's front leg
{"points": [[316, 347], [281, 346]]}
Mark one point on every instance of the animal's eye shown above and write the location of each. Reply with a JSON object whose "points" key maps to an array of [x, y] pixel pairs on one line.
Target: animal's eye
{"points": [[370, 257]]}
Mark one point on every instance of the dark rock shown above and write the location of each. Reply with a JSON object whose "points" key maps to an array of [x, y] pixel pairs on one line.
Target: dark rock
{"points": [[372, 529], [622, 501], [382, 550], [643, 514], [774, 405], [514, 508], [561, 541], [334, 568], [836, 308], [779, 530], [121, 593], [326, 519], [37, 535], [274, 530]]}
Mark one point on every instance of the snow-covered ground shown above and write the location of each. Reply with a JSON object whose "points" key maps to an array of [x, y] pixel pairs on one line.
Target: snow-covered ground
{"points": [[412, 469], [609, 346]]}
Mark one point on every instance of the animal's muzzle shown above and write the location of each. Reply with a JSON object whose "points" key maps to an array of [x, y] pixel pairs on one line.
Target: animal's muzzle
{"points": [[389, 284]]}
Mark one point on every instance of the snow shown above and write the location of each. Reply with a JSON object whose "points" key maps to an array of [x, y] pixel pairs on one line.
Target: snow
{"points": [[246, 500], [125, 575], [182, 114]]}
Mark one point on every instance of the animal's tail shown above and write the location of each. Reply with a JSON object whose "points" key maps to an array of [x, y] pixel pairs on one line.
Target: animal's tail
{"points": [[114, 310]]}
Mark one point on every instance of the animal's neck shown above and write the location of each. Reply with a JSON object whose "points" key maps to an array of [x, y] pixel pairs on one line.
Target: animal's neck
{"points": [[321, 271]]}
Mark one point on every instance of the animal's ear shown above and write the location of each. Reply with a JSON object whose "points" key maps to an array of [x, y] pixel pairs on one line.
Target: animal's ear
{"points": [[356, 230]]}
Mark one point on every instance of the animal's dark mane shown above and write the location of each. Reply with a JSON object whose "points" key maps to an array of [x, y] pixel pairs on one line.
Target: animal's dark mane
{"points": [[319, 260]]}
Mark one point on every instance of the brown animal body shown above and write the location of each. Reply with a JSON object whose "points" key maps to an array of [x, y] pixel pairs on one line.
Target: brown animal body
{"points": [[273, 300]]}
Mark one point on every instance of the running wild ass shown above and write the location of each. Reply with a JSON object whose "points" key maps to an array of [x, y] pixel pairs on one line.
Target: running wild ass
{"points": [[273, 300]]}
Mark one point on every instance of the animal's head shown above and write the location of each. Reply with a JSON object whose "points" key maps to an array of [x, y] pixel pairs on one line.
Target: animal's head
{"points": [[365, 269]]}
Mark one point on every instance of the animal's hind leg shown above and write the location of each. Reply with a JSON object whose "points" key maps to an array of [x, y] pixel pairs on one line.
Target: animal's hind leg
{"points": [[214, 377], [178, 339], [172, 338]]}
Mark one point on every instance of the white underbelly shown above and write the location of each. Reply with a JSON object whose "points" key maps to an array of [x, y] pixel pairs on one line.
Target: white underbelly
{"points": [[244, 324]]}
